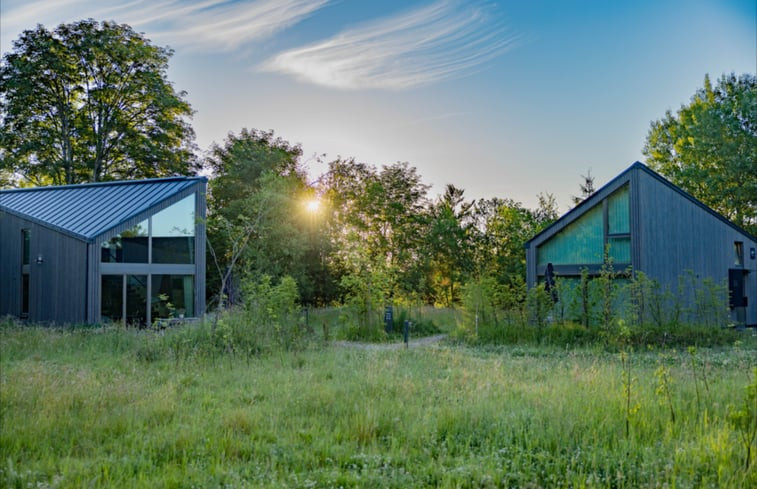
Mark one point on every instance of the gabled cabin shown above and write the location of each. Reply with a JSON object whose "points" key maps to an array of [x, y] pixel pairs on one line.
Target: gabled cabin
{"points": [[645, 223], [123, 251]]}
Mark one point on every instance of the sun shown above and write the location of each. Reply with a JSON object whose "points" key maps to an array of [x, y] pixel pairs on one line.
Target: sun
{"points": [[313, 205]]}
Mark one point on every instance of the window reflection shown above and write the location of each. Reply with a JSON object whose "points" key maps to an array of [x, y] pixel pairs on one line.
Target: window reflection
{"points": [[172, 296], [136, 298], [128, 247], [173, 231], [112, 302]]}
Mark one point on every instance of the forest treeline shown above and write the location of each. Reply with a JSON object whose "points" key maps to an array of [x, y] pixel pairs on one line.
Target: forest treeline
{"points": [[359, 232]]}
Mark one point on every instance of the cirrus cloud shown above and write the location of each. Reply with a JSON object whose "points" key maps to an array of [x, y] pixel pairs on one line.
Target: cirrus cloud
{"points": [[438, 41], [197, 25]]}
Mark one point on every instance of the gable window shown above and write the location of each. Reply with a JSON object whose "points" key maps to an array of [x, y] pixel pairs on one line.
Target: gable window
{"points": [[606, 226], [173, 231], [148, 271], [131, 246], [581, 242], [167, 237], [618, 232]]}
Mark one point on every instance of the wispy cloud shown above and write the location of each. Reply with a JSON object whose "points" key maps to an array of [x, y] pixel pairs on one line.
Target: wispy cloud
{"points": [[205, 25], [438, 41]]}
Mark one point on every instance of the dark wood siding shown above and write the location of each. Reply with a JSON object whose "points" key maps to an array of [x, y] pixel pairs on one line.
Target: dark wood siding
{"points": [[57, 286], [676, 234]]}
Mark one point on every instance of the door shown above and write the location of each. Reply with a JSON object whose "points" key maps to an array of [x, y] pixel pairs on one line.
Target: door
{"points": [[737, 294]]}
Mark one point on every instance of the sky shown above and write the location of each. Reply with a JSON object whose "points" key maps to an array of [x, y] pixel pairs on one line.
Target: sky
{"points": [[504, 99]]}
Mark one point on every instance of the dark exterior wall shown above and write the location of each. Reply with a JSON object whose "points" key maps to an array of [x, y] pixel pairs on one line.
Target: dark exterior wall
{"points": [[57, 286], [676, 234]]}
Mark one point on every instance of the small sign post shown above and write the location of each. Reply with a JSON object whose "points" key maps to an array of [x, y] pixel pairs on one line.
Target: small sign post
{"points": [[388, 319]]}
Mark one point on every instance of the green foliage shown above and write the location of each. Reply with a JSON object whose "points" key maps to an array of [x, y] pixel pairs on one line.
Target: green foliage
{"points": [[272, 312], [607, 310], [378, 217], [90, 101], [664, 390], [257, 221], [449, 245], [366, 292], [709, 147], [502, 228], [539, 305]]}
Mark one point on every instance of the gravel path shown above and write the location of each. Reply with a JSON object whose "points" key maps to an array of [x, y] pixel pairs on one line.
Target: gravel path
{"points": [[428, 340]]}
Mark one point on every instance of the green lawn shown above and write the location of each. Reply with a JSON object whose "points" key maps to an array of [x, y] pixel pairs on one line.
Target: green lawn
{"points": [[87, 409]]}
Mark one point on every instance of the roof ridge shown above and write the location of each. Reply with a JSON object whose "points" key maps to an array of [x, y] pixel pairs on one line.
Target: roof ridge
{"points": [[105, 184]]}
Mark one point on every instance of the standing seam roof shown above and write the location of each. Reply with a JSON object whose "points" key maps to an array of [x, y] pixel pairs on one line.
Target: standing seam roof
{"points": [[88, 210]]}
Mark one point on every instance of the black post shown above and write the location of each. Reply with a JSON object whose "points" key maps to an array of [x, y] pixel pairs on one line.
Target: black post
{"points": [[406, 332]]}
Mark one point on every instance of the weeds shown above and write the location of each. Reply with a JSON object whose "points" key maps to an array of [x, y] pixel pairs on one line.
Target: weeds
{"points": [[744, 421], [80, 408]]}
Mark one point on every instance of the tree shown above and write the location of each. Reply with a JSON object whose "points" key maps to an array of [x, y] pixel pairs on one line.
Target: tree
{"points": [[256, 198], [449, 244], [587, 188], [709, 147], [504, 226], [379, 213], [90, 101]]}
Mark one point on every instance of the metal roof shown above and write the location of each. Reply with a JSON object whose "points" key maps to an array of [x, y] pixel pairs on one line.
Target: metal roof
{"points": [[593, 199], [88, 210]]}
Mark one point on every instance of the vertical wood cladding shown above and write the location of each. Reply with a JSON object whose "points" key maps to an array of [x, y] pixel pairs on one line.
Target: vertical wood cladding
{"points": [[57, 270]]}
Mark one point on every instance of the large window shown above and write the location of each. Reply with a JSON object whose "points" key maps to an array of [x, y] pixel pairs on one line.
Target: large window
{"points": [[112, 308], [172, 296], [619, 227], [168, 236], [124, 298], [131, 246], [173, 231], [147, 271], [583, 242]]}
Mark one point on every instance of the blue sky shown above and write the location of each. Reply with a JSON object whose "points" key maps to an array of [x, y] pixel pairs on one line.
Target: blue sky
{"points": [[501, 98]]}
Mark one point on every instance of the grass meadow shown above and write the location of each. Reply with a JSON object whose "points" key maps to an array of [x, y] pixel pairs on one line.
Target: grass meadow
{"points": [[88, 408]]}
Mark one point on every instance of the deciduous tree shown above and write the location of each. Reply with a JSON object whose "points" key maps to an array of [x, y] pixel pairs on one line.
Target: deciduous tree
{"points": [[709, 147], [90, 101]]}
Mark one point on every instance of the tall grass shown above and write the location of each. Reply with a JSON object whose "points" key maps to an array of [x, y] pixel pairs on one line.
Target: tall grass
{"points": [[87, 409]]}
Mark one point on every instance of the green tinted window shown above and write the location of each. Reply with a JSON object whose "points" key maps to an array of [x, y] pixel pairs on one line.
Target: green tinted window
{"points": [[580, 243], [618, 221], [619, 250]]}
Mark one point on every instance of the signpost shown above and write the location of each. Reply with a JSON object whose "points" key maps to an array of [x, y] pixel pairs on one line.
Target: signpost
{"points": [[388, 319]]}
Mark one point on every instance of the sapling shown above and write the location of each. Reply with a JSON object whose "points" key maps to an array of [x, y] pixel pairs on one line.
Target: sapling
{"points": [[664, 387], [693, 361], [628, 380]]}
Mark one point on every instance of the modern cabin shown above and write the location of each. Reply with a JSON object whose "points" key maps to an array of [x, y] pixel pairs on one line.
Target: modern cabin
{"points": [[645, 223], [122, 251]]}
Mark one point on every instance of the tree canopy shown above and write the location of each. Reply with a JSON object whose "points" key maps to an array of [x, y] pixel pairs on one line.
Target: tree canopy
{"points": [[709, 147], [90, 101]]}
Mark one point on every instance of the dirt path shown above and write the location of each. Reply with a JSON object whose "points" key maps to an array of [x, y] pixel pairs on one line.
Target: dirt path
{"points": [[428, 340]]}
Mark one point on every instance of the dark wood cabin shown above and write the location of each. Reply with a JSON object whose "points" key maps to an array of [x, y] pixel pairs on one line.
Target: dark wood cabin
{"points": [[123, 251]]}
